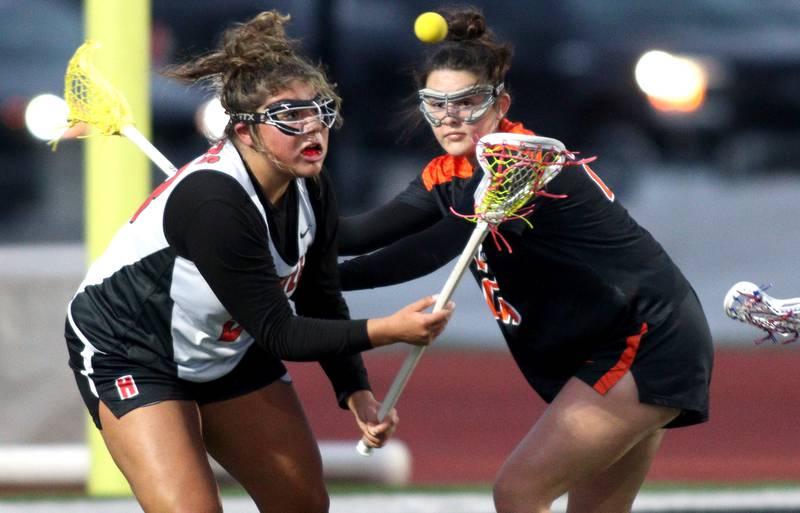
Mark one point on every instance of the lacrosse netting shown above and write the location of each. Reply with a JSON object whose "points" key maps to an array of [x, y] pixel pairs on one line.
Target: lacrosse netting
{"points": [[92, 100], [517, 167], [748, 303]]}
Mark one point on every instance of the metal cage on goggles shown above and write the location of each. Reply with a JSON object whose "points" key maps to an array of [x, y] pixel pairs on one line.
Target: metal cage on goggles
{"points": [[292, 116], [436, 106]]}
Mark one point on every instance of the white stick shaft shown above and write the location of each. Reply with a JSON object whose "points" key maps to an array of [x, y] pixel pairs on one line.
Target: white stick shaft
{"points": [[136, 137], [403, 375]]}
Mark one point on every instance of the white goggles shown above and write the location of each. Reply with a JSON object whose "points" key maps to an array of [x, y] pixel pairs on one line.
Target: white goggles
{"points": [[467, 105], [292, 117]]}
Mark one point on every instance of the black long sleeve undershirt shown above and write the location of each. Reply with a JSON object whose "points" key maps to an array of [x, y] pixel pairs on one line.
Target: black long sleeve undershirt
{"points": [[211, 221], [426, 242], [375, 229]]}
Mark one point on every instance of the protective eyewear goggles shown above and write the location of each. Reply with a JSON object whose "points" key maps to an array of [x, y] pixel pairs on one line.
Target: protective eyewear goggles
{"points": [[467, 105], [292, 117]]}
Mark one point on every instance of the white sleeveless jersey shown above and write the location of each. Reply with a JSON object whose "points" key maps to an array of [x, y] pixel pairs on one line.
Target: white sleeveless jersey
{"points": [[140, 281]]}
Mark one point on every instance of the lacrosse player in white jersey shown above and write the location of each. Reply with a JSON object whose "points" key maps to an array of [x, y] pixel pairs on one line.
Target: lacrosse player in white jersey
{"points": [[177, 334]]}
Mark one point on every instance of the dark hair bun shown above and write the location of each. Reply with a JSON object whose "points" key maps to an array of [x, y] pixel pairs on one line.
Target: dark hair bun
{"points": [[464, 23]]}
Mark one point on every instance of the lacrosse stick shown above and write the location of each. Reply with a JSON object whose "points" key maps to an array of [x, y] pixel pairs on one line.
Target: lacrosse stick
{"points": [[747, 302], [94, 101], [516, 169]]}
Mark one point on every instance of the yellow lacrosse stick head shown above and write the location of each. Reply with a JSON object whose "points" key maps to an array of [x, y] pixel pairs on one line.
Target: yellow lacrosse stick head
{"points": [[90, 97]]}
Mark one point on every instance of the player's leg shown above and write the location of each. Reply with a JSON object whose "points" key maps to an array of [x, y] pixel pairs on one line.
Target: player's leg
{"points": [[615, 488], [580, 435], [153, 434], [264, 441], [159, 449]]}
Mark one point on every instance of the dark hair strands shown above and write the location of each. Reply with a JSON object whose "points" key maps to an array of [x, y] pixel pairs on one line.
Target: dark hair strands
{"points": [[254, 60], [244, 47], [464, 23], [470, 45]]}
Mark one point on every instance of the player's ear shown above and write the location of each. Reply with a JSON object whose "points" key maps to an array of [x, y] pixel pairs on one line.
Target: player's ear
{"points": [[243, 133], [503, 104]]}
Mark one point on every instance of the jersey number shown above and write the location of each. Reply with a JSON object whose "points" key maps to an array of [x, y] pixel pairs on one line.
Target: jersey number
{"points": [[501, 309], [210, 157], [289, 283], [230, 331]]}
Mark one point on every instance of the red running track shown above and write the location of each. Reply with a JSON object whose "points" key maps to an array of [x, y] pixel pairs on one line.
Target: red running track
{"points": [[464, 411]]}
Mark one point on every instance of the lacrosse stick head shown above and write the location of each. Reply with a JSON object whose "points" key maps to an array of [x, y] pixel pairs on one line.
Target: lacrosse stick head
{"points": [[516, 168], [90, 97], [748, 303], [738, 296]]}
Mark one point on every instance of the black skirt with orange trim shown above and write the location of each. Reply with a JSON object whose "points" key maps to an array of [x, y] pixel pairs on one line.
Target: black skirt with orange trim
{"points": [[671, 362]]}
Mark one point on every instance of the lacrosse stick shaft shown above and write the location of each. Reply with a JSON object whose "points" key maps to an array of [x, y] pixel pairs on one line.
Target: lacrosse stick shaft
{"points": [[158, 158], [403, 375]]}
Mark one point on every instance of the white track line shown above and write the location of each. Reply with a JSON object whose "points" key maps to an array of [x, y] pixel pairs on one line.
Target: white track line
{"points": [[749, 501]]}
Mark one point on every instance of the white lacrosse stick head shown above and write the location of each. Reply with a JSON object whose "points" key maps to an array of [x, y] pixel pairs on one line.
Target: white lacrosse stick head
{"points": [[737, 297], [748, 303]]}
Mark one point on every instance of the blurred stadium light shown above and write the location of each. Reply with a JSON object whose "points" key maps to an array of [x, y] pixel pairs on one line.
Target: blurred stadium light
{"points": [[671, 83], [46, 116]]}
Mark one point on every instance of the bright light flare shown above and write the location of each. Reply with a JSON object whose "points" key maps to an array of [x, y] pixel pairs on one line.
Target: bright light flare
{"points": [[211, 119], [46, 117], [672, 83]]}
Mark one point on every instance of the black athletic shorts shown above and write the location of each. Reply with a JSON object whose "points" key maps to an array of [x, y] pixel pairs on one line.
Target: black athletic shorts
{"points": [[671, 362], [124, 385]]}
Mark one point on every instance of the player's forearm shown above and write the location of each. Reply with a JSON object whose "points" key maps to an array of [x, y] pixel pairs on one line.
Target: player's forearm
{"points": [[408, 258], [374, 229]]}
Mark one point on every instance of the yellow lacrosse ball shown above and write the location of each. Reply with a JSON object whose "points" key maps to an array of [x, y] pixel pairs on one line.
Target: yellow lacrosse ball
{"points": [[430, 27]]}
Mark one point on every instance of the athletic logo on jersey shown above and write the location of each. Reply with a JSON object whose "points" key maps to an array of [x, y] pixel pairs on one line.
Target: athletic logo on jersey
{"points": [[501, 309], [126, 387]]}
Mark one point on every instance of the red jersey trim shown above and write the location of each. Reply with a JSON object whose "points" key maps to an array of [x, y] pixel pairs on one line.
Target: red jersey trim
{"points": [[610, 378], [444, 168]]}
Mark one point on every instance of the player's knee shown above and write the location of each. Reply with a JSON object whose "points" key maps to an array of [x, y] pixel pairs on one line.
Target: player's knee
{"points": [[310, 501], [211, 508], [513, 496], [195, 505], [316, 502], [505, 497]]}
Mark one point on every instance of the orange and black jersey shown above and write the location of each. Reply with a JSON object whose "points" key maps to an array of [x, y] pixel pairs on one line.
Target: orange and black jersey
{"points": [[586, 272]]}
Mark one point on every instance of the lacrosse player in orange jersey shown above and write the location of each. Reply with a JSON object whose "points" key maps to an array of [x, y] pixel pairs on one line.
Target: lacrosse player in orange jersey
{"points": [[600, 321]]}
